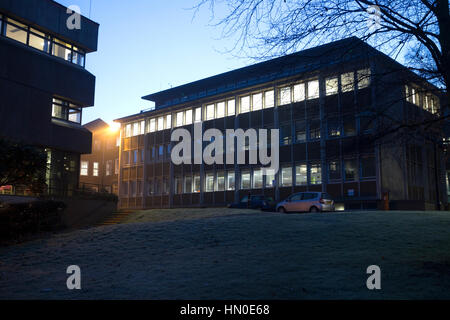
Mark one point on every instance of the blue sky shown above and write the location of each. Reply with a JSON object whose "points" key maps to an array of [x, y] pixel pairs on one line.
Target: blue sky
{"points": [[146, 46]]}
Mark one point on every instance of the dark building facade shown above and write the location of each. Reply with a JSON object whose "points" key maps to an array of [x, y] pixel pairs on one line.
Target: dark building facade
{"points": [[44, 85], [99, 170], [334, 106]]}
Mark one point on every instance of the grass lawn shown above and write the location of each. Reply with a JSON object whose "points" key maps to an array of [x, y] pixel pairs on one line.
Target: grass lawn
{"points": [[239, 254]]}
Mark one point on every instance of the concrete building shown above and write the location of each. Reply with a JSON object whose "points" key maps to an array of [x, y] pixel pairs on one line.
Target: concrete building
{"points": [[99, 170], [339, 108], [44, 85]]}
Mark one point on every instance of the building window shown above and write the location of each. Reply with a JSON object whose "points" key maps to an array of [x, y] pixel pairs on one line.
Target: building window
{"points": [[257, 101], [350, 169], [231, 108], [313, 89], [315, 174], [135, 156], [108, 167], [150, 187], [286, 177], [314, 129], [16, 31], [230, 180], [331, 86], [220, 110], [269, 100], [334, 127], [209, 182], [196, 187], [285, 95], [299, 92], [301, 175], [168, 121], [285, 134], [124, 188], [270, 179], [161, 123], [198, 114], [363, 77], [347, 82], [126, 157], [165, 186], [257, 179], [368, 167], [187, 184], [188, 116], [210, 112], [178, 185], [128, 130], [300, 131], [136, 130], [334, 170], [366, 123], [161, 152], [220, 182], [142, 127], [66, 111], [245, 104], [180, 119], [349, 125], [84, 168], [95, 169], [116, 166], [245, 180], [152, 125]]}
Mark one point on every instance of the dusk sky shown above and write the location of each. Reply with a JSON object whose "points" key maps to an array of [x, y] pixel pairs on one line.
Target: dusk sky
{"points": [[145, 46]]}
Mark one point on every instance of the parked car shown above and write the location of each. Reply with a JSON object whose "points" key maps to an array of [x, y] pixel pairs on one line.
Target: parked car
{"points": [[256, 202], [307, 201]]}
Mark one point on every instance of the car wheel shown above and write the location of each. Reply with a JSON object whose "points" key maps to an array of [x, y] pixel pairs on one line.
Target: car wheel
{"points": [[313, 209], [281, 210]]}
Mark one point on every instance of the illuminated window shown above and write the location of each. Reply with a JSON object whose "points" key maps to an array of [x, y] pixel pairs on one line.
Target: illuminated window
{"points": [[62, 50], [180, 116], [178, 185], [270, 179], [220, 181], [316, 173], [16, 31], [209, 182], [245, 180], [95, 169], [220, 110], [285, 95], [116, 166], [257, 101], [314, 129], [161, 123], [347, 82], [313, 89], [210, 112], [301, 175], [230, 180], [142, 127], [108, 169], [196, 185], [286, 177], [152, 125], [269, 100], [136, 129], [331, 86], [128, 130], [334, 127], [363, 77], [257, 179], [39, 40], [299, 92], [66, 111], [187, 184], [84, 168], [334, 170], [188, 116], [231, 107], [245, 104], [198, 114], [350, 170], [168, 121]]}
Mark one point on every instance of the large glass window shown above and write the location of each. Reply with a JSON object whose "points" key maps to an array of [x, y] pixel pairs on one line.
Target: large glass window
{"points": [[363, 77], [196, 185], [220, 182], [62, 50], [299, 92], [300, 131], [270, 179], [257, 101], [221, 110], [285, 95], [210, 112], [16, 31], [178, 185], [286, 177], [334, 127], [301, 175], [152, 125], [331, 86], [245, 104], [313, 89], [168, 121], [84, 168], [349, 125], [334, 170], [39, 40], [66, 111], [316, 173], [314, 129], [187, 184], [161, 123], [368, 167], [257, 179], [198, 114], [95, 169], [245, 180], [231, 107], [209, 182], [180, 116], [269, 100], [188, 116], [136, 129], [285, 134], [347, 82], [350, 169], [230, 180]]}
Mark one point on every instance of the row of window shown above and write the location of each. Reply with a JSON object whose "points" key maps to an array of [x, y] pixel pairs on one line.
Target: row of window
{"points": [[303, 174], [84, 168], [251, 102], [65, 110], [422, 99], [41, 41]]}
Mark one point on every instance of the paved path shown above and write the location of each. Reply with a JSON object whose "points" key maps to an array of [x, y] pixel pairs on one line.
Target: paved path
{"points": [[264, 256]]}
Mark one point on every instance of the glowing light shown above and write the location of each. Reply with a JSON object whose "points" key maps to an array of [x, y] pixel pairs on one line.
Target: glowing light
{"points": [[114, 126]]}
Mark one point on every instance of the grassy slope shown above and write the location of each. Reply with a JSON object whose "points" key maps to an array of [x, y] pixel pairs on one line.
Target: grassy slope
{"points": [[252, 256]]}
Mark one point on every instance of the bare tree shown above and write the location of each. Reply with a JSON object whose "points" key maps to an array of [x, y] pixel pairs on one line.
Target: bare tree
{"points": [[416, 30]]}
